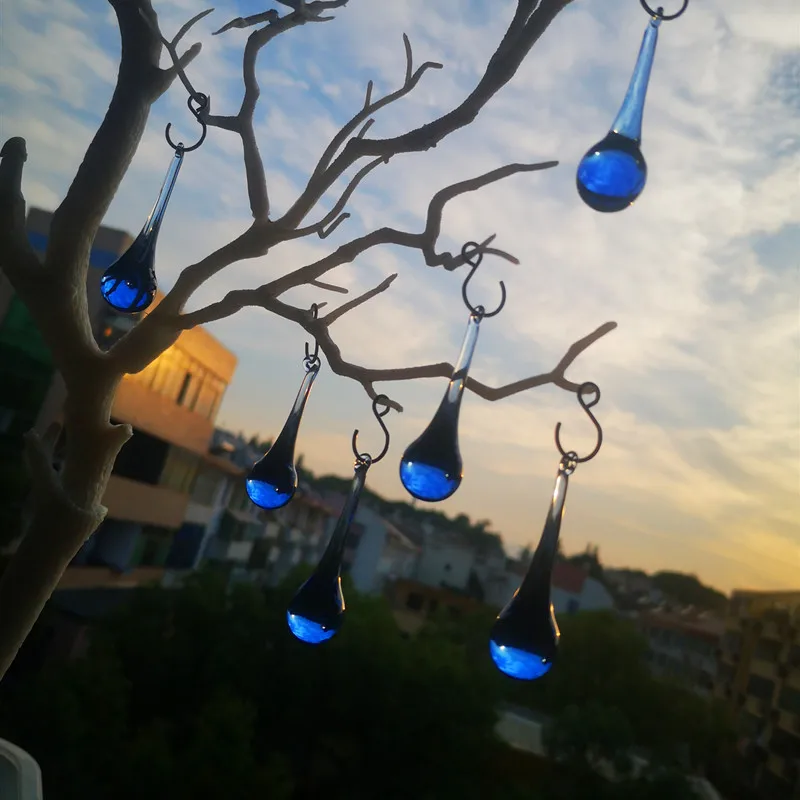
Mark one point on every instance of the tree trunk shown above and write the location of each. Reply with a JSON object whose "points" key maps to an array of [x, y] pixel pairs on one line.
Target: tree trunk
{"points": [[67, 510]]}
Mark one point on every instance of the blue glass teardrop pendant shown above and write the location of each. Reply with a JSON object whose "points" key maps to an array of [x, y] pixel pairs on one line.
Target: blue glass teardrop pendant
{"points": [[613, 172], [431, 468], [129, 284], [524, 638], [316, 612], [272, 481]]}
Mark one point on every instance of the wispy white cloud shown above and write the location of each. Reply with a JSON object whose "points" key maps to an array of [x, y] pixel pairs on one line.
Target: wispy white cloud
{"points": [[701, 460]]}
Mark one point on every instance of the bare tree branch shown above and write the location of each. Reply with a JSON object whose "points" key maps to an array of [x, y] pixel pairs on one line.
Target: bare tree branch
{"points": [[369, 108], [368, 377], [334, 217], [179, 62], [17, 258], [329, 319], [191, 277], [328, 287], [529, 23], [242, 123]]}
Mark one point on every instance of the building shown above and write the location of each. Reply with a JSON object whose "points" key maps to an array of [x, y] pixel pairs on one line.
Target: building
{"points": [[683, 647], [165, 472], [413, 602], [759, 676], [572, 590], [377, 550]]}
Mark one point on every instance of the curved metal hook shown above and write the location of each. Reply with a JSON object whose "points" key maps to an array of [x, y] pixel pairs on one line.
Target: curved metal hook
{"points": [[366, 458], [197, 104], [311, 360], [471, 253], [584, 389], [659, 12]]}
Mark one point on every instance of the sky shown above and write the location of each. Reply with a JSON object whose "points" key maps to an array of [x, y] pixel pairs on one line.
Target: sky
{"points": [[700, 466]]}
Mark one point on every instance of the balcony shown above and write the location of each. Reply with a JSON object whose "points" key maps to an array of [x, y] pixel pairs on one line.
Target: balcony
{"points": [[763, 668], [159, 416], [757, 706], [230, 552], [132, 501], [103, 577], [789, 721]]}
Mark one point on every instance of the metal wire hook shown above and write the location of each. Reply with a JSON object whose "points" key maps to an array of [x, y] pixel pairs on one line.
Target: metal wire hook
{"points": [[471, 253], [197, 104], [311, 360], [584, 389], [659, 12], [366, 458]]}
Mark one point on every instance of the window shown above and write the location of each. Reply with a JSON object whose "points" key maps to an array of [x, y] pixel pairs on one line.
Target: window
{"points": [[415, 601], [789, 700], [768, 650], [179, 470], [142, 458], [150, 552], [6, 418], [205, 487], [183, 391], [572, 606], [762, 688]]}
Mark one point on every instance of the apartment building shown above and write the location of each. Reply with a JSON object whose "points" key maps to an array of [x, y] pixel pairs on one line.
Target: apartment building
{"points": [[684, 647], [165, 485], [759, 675]]}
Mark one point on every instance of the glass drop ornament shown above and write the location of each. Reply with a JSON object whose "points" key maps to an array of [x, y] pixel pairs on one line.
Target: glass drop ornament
{"points": [[613, 172], [524, 639], [431, 467], [272, 481], [317, 611], [129, 284]]}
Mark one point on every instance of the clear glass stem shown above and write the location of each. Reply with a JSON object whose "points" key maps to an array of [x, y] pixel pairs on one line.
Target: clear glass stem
{"points": [[288, 435], [541, 566], [332, 557], [153, 222], [629, 119], [459, 377]]}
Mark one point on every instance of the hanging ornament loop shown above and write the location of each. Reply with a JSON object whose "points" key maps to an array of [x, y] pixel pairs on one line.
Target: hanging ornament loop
{"points": [[570, 459], [365, 459], [472, 255], [659, 12], [311, 360], [197, 105]]}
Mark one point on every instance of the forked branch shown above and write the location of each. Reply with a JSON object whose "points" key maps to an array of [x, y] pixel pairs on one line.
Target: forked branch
{"points": [[242, 122]]}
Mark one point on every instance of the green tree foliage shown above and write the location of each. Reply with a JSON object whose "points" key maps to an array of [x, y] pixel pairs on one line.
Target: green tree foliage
{"points": [[198, 693], [203, 693], [688, 590]]}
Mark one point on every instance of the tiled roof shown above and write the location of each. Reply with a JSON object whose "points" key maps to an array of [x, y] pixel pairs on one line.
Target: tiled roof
{"points": [[568, 577]]}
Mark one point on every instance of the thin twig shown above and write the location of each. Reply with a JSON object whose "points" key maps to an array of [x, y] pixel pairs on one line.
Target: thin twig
{"points": [[330, 318], [335, 216], [369, 108], [171, 46]]}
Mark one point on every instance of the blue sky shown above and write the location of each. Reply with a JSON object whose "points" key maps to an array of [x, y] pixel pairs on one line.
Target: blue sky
{"points": [[700, 469]]}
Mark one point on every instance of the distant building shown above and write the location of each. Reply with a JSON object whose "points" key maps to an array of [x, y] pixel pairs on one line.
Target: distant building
{"points": [[414, 602], [446, 559], [377, 550], [759, 676], [573, 590], [683, 647]]}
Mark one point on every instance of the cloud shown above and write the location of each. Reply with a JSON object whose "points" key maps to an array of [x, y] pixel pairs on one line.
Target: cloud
{"points": [[699, 470]]}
